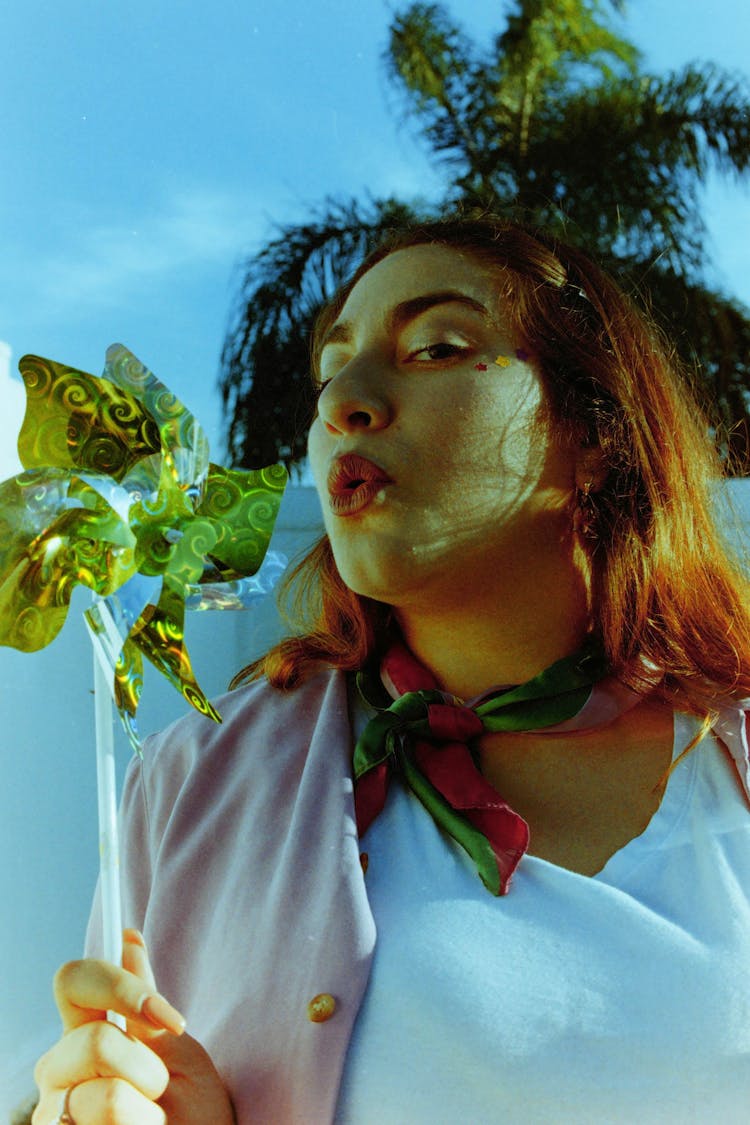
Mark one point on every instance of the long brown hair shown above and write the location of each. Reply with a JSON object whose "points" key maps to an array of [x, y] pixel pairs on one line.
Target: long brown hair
{"points": [[667, 591]]}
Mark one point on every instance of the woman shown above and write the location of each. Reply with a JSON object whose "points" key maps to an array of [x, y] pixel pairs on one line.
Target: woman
{"points": [[516, 491]]}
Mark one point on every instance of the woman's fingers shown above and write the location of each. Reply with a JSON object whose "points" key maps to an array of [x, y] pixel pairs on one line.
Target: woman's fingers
{"points": [[101, 1101], [100, 1050], [112, 1076], [87, 990], [135, 957]]}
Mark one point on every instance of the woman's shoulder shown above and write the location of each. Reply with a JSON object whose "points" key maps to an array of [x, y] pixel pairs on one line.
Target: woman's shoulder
{"points": [[258, 723]]}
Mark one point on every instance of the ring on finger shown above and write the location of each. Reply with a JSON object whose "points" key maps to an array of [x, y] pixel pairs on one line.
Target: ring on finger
{"points": [[65, 1117]]}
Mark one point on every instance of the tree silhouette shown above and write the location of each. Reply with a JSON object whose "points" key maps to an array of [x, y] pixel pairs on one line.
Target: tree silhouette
{"points": [[555, 124]]}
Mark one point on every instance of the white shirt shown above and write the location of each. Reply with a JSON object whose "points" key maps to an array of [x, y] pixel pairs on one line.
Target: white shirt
{"points": [[624, 997]]}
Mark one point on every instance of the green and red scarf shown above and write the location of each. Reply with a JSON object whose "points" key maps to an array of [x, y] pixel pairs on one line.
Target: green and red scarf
{"points": [[424, 736]]}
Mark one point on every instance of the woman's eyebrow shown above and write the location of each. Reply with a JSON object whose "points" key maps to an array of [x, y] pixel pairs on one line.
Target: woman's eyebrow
{"points": [[404, 311]]}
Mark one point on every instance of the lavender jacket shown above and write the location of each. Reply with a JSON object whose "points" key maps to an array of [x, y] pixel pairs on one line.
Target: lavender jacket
{"points": [[241, 866]]}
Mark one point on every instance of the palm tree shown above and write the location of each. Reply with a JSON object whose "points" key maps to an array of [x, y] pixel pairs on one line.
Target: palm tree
{"points": [[555, 124]]}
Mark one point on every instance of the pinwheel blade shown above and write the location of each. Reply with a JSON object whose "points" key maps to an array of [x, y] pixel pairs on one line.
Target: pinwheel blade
{"points": [[56, 532], [119, 495]]}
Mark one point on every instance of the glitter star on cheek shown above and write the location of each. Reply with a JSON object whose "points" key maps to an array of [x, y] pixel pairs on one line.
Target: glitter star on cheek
{"points": [[480, 366], [502, 361]]}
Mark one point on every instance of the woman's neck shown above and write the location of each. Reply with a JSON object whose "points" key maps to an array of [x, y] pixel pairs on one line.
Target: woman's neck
{"points": [[470, 648], [501, 616]]}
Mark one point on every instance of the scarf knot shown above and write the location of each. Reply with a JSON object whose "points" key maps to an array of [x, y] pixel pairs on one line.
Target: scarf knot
{"points": [[453, 722], [422, 735]]}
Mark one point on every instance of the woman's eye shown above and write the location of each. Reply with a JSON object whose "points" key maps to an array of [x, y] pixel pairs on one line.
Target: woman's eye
{"points": [[441, 350]]}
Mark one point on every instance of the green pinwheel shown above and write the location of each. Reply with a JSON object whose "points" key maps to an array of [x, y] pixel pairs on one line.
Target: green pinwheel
{"points": [[118, 494]]}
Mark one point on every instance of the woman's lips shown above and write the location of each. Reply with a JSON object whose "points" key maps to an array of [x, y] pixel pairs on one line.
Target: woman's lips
{"points": [[353, 483]]}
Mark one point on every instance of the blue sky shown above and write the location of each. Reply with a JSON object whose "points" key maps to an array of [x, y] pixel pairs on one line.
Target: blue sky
{"points": [[146, 146]]}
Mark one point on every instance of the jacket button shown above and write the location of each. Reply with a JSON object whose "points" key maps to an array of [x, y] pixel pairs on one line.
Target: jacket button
{"points": [[321, 1007]]}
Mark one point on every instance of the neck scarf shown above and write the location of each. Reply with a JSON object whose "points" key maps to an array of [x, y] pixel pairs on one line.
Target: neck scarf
{"points": [[423, 735]]}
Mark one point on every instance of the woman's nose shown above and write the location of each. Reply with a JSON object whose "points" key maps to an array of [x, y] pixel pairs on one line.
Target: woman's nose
{"points": [[350, 402]]}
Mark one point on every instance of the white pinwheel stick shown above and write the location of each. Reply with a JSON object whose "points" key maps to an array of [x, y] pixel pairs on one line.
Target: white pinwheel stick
{"points": [[109, 621], [106, 787]]}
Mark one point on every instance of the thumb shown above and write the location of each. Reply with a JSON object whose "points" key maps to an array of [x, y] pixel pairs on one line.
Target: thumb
{"points": [[135, 956]]}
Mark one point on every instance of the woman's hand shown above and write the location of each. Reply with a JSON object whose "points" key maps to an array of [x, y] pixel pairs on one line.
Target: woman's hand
{"points": [[152, 1074]]}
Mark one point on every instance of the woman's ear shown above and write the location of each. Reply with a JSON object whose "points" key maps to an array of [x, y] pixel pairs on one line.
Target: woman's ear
{"points": [[591, 468]]}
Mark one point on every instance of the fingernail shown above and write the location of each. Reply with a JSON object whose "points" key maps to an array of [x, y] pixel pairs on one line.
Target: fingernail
{"points": [[161, 1014], [135, 937]]}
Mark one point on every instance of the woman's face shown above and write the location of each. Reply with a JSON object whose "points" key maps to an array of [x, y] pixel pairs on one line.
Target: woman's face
{"points": [[436, 472]]}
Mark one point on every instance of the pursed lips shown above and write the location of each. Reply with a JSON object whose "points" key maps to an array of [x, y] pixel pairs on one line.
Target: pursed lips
{"points": [[353, 482]]}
